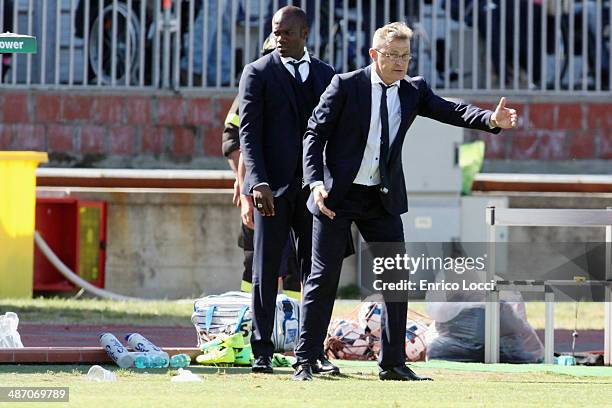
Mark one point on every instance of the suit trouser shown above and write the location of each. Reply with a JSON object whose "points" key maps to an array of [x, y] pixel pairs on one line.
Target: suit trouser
{"points": [[288, 267], [270, 239], [362, 205]]}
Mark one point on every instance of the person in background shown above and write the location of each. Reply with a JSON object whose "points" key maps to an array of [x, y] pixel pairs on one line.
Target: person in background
{"points": [[288, 273]]}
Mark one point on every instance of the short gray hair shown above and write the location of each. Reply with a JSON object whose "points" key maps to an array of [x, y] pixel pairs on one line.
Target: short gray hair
{"points": [[392, 31]]}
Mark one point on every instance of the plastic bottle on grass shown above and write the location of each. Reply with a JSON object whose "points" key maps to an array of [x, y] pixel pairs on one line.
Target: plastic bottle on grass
{"points": [[116, 350], [150, 360], [139, 343], [180, 361]]}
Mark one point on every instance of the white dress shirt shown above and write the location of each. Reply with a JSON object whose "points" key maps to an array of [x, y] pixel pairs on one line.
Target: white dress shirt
{"points": [[304, 68], [368, 174]]}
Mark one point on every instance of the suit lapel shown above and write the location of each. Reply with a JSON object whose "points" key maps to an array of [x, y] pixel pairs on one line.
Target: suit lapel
{"points": [[283, 80], [404, 97], [317, 82], [364, 93]]}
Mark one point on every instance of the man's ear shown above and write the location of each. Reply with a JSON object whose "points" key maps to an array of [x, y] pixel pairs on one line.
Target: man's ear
{"points": [[373, 54], [305, 33]]}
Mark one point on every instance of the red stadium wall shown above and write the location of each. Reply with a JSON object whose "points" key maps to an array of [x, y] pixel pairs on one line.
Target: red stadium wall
{"points": [[114, 130], [553, 132]]}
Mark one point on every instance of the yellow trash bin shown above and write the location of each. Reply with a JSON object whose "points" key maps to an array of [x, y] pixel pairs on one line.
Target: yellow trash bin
{"points": [[17, 213]]}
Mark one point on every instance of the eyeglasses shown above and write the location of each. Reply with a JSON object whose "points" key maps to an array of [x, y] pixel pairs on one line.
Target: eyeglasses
{"points": [[395, 57]]}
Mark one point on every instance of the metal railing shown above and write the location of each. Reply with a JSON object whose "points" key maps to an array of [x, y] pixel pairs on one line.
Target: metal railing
{"points": [[462, 47], [529, 217]]}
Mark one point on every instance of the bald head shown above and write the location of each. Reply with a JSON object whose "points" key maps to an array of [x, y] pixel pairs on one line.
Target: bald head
{"points": [[292, 12]]}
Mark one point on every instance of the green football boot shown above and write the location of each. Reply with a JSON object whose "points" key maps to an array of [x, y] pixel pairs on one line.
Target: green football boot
{"points": [[217, 356], [244, 356]]}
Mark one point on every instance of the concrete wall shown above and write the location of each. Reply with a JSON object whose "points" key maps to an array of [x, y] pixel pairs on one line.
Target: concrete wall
{"points": [[168, 244], [177, 244]]}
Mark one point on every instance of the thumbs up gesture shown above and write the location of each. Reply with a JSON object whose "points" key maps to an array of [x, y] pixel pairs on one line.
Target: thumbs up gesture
{"points": [[504, 117]]}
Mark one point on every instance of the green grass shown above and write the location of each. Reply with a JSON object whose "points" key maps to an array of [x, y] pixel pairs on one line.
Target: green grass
{"points": [[358, 387], [173, 313], [94, 311]]}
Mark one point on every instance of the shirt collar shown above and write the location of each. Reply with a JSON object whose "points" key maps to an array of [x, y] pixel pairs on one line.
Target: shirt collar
{"points": [[375, 79], [306, 57]]}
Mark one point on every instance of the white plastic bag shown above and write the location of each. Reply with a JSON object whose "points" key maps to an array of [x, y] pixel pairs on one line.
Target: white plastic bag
{"points": [[186, 376], [100, 374], [9, 336]]}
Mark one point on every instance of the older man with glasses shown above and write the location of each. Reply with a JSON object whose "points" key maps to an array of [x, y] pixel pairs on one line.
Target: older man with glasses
{"points": [[352, 163]]}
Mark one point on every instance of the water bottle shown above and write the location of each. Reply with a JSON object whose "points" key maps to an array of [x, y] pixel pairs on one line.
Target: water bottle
{"points": [[116, 350], [140, 343], [150, 360], [98, 374], [180, 361]]}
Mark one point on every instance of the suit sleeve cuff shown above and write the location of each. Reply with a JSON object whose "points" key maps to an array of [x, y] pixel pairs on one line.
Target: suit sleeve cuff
{"points": [[491, 124], [314, 184], [259, 184]]}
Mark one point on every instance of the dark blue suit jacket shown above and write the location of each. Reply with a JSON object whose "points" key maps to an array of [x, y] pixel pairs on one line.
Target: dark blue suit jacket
{"points": [[270, 131], [338, 131]]}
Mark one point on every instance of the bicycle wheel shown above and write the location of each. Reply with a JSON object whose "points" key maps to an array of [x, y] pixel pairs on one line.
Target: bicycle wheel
{"points": [[101, 52]]}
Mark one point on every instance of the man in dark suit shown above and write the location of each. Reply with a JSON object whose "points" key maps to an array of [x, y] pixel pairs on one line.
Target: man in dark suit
{"points": [[277, 95], [352, 163]]}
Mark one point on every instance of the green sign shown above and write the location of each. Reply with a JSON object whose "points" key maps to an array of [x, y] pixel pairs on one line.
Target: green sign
{"points": [[18, 44]]}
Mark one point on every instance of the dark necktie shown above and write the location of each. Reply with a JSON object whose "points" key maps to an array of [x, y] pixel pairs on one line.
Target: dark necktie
{"points": [[296, 69], [384, 141]]}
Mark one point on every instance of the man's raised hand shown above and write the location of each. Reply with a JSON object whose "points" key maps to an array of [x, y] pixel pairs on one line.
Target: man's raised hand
{"points": [[504, 117]]}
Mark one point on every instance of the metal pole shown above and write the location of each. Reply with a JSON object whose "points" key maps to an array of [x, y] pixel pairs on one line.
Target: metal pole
{"points": [[177, 46], [488, 50], [447, 23], [345, 36], [461, 43], [544, 53], [572, 17], [502, 48], [1, 31], [359, 32], [598, 34], [167, 5], [58, 17], [86, 43], [29, 56], [549, 326], [114, 45], [43, 45], [434, 36], [71, 45], [475, 45], [142, 36], [190, 44], [492, 302], [608, 297], [558, 46], [515, 45]]}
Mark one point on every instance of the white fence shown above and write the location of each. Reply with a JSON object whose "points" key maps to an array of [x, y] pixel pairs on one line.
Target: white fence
{"points": [[463, 47]]}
